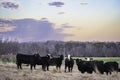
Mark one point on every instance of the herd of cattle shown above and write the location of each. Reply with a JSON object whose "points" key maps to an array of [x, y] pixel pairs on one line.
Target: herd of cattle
{"points": [[49, 60]]}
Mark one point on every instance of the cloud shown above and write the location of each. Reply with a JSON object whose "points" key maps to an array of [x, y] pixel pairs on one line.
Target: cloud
{"points": [[33, 30], [63, 27], [6, 29], [9, 5], [66, 25], [56, 4], [83, 3], [6, 25], [60, 13]]}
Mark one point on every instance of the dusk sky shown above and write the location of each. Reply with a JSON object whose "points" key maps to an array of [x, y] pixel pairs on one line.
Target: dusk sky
{"points": [[66, 20]]}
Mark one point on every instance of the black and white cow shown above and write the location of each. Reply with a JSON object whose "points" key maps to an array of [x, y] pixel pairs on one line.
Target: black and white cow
{"points": [[69, 62]]}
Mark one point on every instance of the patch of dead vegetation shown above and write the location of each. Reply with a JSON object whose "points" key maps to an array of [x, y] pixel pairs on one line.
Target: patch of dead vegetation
{"points": [[9, 71]]}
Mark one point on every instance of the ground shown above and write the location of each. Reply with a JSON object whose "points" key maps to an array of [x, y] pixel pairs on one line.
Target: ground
{"points": [[9, 71]]}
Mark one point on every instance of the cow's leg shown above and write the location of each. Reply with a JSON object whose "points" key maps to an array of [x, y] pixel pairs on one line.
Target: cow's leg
{"points": [[20, 66], [69, 69], [107, 72], [31, 66], [34, 66], [59, 68], [65, 68], [43, 68], [110, 72], [82, 71], [17, 66], [48, 67]]}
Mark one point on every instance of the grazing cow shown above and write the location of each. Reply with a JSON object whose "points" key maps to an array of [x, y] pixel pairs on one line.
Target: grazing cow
{"points": [[56, 61], [84, 66], [69, 62], [90, 66], [98, 66], [26, 59], [109, 67], [44, 61]]}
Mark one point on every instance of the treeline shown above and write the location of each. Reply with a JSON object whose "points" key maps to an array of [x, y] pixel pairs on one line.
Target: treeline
{"points": [[79, 49]]}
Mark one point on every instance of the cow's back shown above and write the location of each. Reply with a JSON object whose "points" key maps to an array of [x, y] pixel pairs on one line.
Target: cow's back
{"points": [[110, 67], [27, 59]]}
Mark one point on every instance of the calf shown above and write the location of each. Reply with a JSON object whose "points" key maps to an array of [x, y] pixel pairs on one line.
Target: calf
{"points": [[69, 62]]}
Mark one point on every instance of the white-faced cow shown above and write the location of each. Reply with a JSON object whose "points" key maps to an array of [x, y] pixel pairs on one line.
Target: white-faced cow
{"points": [[69, 62]]}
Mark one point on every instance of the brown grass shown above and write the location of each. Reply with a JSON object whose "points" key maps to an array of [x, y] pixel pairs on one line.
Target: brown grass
{"points": [[9, 71]]}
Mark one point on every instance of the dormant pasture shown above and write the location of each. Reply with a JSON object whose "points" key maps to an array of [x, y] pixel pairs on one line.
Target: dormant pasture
{"points": [[9, 71]]}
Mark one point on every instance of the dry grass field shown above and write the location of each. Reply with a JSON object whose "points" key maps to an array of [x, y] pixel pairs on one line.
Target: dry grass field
{"points": [[9, 71]]}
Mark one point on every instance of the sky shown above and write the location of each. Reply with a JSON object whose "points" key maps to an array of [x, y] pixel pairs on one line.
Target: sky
{"points": [[65, 20]]}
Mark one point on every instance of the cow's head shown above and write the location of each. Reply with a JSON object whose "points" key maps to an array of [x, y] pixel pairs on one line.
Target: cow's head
{"points": [[77, 61], [61, 57], [49, 56], [37, 56], [88, 59], [69, 57]]}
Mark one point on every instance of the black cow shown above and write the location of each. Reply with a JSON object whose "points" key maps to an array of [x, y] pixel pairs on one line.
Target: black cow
{"points": [[26, 59], [98, 66], [90, 66], [69, 62], [84, 66], [109, 67], [56, 61], [44, 61]]}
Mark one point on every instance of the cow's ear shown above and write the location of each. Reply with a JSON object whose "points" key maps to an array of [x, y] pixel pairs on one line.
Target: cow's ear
{"points": [[35, 55], [47, 55]]}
